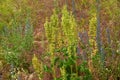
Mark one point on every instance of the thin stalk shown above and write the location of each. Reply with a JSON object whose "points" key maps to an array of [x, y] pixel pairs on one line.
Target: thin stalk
{"points": [[53, 66], [76, 62], [109, 39], [71, 70], [73, 7], [99, 44], [76, 69], [98, 27]]}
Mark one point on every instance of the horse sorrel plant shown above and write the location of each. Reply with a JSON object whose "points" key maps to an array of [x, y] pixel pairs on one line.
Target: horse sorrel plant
{"points": [[37, 66], [62, 46]]}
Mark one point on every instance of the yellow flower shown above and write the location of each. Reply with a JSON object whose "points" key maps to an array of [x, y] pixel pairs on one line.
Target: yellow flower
{"points": [[92, 33], [37, 66], [63, 73]]}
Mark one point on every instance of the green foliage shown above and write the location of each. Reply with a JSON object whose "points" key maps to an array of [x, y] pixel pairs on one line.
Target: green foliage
{"points": [[15, 42], [98, 67], [84, 71], [108, 70], [66, 60], [10, 9]]}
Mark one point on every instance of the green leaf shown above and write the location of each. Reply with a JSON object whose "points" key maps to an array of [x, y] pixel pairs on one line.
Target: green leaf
{"points": [[47, 69]]}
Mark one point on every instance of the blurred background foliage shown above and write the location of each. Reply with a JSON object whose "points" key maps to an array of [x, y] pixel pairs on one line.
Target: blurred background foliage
{"points": [[19, 10]]}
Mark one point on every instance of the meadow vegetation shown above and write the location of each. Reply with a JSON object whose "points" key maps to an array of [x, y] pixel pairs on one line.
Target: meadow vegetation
{"points": [[76, 40]]}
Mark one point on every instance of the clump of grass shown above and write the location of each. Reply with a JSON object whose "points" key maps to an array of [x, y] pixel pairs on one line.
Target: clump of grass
{"points": [[15, 42]]}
